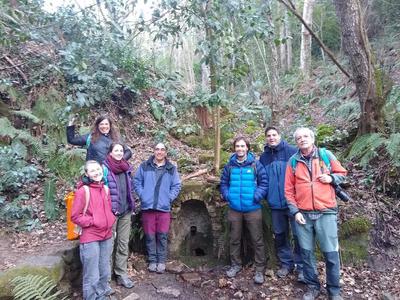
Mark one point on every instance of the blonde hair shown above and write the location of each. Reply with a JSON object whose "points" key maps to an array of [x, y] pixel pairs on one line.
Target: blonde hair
{"points": [[90, 162]]}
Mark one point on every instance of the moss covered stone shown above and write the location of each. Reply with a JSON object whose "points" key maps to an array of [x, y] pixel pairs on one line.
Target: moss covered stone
{"points": [[354, 226]]}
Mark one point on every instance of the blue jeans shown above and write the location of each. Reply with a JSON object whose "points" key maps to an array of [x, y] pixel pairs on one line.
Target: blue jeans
{"points": [[96, 262], [325, 230], [281, 219]]}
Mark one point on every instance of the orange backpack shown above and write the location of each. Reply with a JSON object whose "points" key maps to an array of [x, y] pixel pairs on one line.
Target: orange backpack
{"points": [[73, 230]]}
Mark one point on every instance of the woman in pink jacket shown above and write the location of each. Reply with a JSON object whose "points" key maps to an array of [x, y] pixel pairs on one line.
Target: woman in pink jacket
{"points": [[91, 211]]}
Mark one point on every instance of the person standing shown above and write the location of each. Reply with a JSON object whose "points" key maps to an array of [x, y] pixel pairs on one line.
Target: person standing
{"points": [[98, 141], [312, 201], [91, 211], [274, 158], [157, 184], [243, 186], [119, 182]]}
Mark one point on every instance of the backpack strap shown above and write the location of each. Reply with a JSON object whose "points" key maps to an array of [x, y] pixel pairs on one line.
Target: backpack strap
{"points": [[105, 174], [87, 199], [293, 163], [88, 140], [323, 155]]}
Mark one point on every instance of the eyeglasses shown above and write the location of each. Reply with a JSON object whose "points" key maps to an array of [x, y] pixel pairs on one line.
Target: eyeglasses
{"points": [[160, 149]]}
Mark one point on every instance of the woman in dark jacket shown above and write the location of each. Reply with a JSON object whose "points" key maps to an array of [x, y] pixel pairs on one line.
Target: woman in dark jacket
{"points": [[118, 172], [98, 141]]}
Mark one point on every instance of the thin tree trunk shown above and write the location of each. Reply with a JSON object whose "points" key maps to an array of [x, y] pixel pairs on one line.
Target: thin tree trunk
{"points": [[289, 44], [372, 85], [305, 48]]}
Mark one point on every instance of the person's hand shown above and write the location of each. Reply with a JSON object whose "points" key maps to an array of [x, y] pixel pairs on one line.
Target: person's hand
{"points": [[300, 218], [71, 120], [325, 178]]}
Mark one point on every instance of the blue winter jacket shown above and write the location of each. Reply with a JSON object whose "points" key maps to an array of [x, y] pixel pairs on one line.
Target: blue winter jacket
{"points": [[275, 160], [97, 150], [244, 185], [156, 195], [116, 201]]}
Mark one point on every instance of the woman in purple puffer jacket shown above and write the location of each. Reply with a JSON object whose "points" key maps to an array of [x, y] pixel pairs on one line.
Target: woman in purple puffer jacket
{"points": [[119, 182]]}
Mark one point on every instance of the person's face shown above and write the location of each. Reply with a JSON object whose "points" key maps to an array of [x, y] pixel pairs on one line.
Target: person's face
{"points": [[304, 140], [104, 126], [241, 149], [94, 172], [273, 138], [117, 152], [160, 153]]}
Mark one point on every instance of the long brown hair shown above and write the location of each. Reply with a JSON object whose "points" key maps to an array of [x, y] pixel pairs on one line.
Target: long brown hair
{"points": [[114, 134]]}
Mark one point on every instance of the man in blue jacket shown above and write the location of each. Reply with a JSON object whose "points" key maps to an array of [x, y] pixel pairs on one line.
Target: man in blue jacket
{"points": [[275, 157], [243, 186], [157, 185]]}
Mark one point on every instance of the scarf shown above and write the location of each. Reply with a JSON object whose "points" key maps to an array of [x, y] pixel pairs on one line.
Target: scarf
{"points": [[117, 166]]}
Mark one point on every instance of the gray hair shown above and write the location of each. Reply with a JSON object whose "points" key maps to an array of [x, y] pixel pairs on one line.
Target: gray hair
{"points": [[306, 129]]}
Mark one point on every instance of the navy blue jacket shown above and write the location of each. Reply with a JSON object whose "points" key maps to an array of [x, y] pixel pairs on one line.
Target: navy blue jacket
{"points": [[116, 201], [157, 195], [243, 185], [275, 160], [96, 151]]}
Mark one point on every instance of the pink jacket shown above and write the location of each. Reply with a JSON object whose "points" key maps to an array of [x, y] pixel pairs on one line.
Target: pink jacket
{"points": [[97, 223]]}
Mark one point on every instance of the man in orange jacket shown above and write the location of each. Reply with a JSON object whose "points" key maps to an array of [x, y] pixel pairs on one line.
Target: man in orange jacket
{"points": [[312, 200]]}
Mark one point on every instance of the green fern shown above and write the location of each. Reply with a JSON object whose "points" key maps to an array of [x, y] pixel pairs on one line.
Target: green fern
{"points": [[27, 115], [393, 148], [35, 287]]}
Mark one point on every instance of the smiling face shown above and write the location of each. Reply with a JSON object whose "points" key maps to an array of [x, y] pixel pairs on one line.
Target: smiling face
{"points": [[160, 153], [241, 149], [94, 171], [304, 140], [117, 152], [273, 138], [104, 126]]}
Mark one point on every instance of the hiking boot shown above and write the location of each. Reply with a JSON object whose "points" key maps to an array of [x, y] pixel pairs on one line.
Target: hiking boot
{"points": [[109, 291], [233, 270], [335, 297], [300, 277], [125, 282], [283, 272], [311, 294], [259, 277], [160, 268], [152, 267]]}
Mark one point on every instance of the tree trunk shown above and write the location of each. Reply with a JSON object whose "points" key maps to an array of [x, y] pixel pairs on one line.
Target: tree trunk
{"points": [[305, 48], [289, 51], [372, 85]]}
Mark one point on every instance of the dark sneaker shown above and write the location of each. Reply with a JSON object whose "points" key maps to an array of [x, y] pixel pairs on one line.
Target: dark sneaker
{"points": [[259, 277], [152, 267], [125, 282], [335, 297], [311, 294], [283, 272], [300, 277], [233, 270], [160, 268]]}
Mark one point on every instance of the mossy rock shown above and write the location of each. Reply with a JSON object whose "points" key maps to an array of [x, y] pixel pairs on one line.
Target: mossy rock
{"points": [[55, 271], [354, 226], [205, 142]]}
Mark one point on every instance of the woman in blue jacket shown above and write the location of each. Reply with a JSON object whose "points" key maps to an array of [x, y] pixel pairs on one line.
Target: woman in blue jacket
{"points": [[118, 172], [98, 141]]}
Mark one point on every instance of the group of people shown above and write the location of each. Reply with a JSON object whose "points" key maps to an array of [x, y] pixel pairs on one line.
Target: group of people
{"points": [[298, 186], [296, 182], [104, 204]]}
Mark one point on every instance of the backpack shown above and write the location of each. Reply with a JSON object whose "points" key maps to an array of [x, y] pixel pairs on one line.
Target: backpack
{"points": [[73, 230], [323, 158]]}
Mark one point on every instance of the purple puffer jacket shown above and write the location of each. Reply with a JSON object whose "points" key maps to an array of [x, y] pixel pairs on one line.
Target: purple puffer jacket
{"points": [[114, 192]]}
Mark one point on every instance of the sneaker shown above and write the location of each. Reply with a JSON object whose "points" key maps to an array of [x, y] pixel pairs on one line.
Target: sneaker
{"points": [[300, 277], [109, 291], [125, 282], [335, 297], [311, 294], [233, 270], [160, 268], [152, 267], [259, 277], [283, 272]]}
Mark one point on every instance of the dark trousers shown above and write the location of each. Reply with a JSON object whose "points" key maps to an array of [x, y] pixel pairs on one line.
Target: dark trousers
{"points": [[253, 222], [282, 222]]}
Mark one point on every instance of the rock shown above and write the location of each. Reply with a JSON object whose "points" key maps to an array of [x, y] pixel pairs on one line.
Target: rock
{"points": [[174, 267], [191, 277], [238, 295], [169, 291], [132, 296]]}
